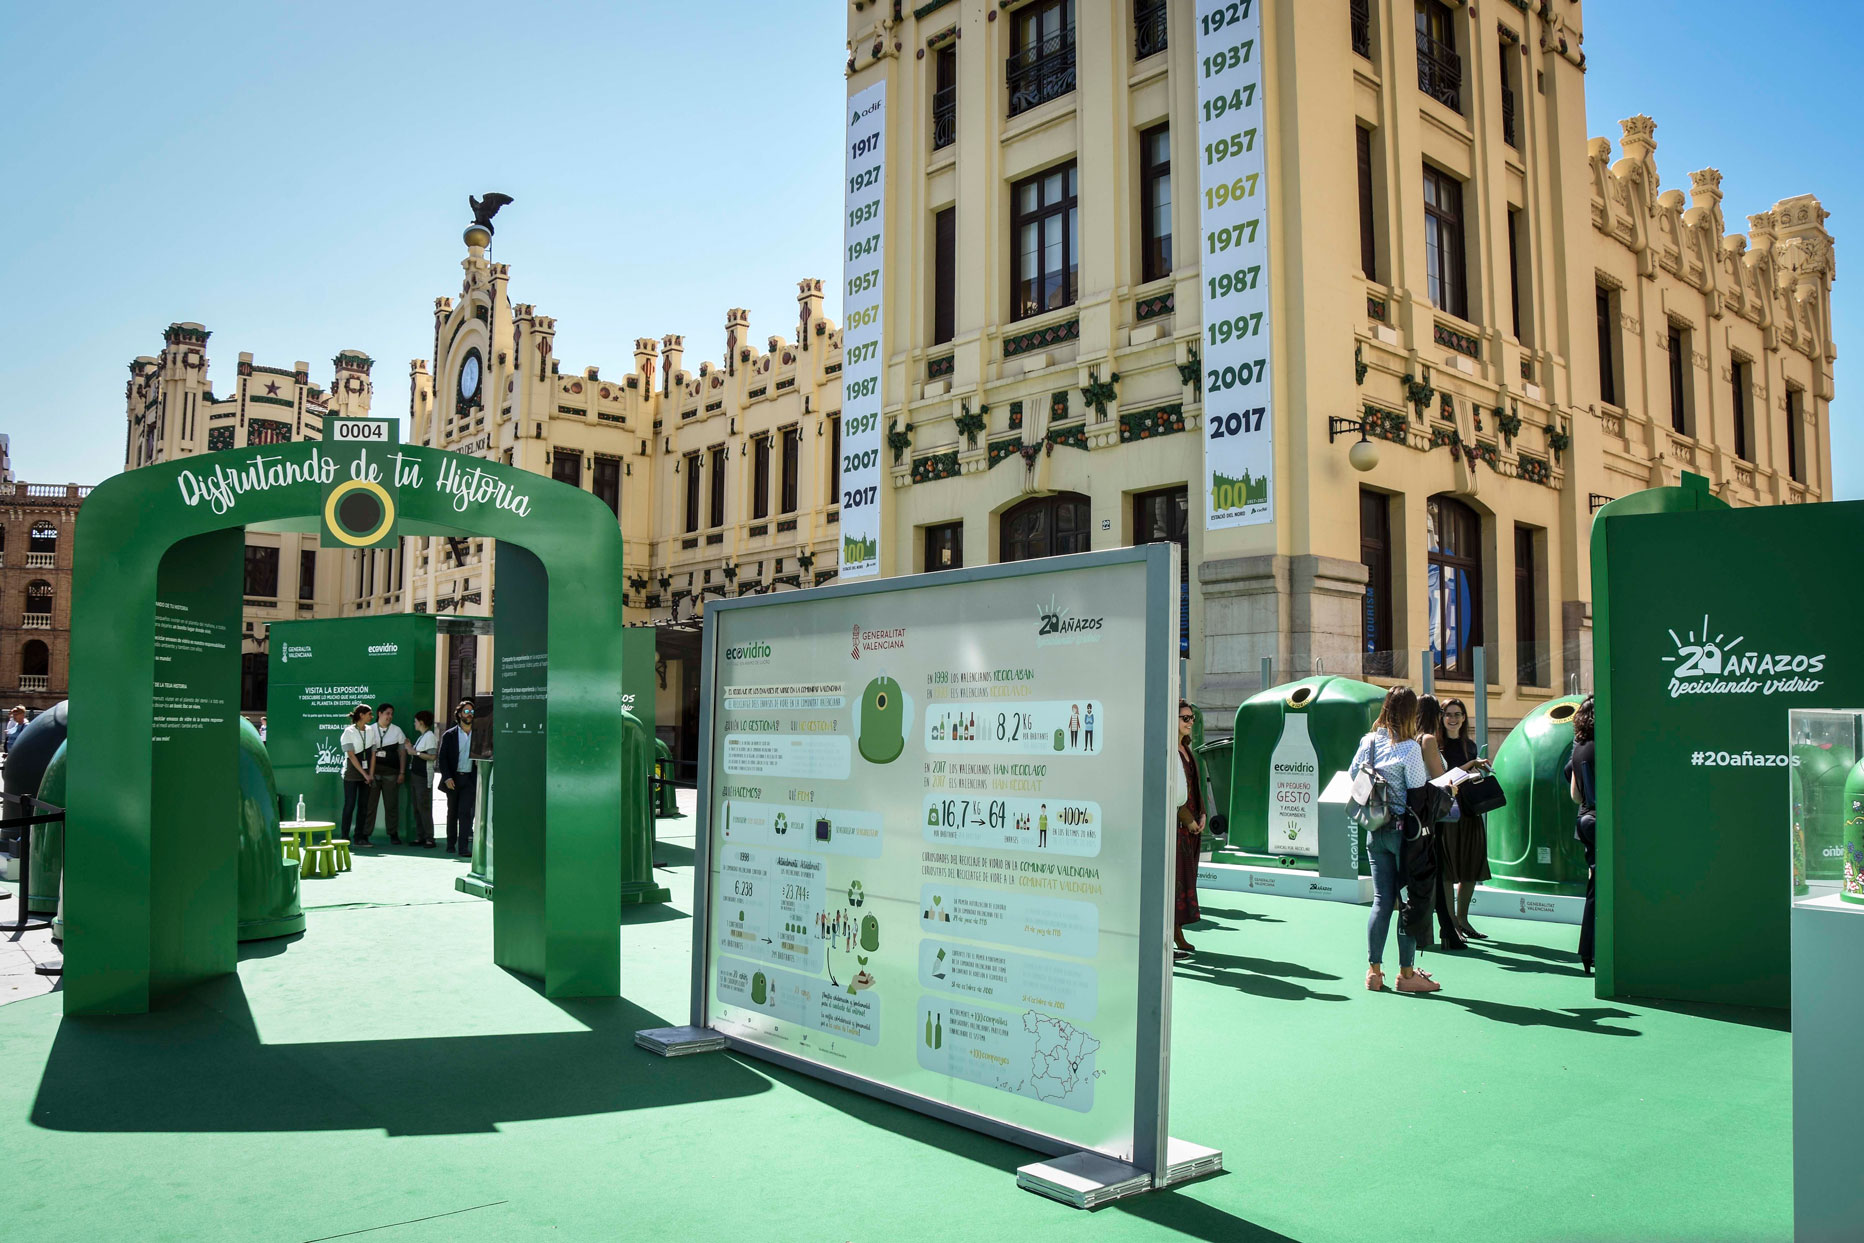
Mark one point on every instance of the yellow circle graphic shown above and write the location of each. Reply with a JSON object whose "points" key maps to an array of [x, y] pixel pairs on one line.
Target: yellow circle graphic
{"points": [[344, 489]]}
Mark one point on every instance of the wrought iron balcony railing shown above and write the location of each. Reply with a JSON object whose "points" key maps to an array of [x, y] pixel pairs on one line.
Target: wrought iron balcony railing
{"points": [[944, 117], [1439, 72], [1361, 16], [1149, 28], [1041, 72], [1508, 118]]}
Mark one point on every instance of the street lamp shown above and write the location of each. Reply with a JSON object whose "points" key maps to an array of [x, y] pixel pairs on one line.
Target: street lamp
{"points": [[1364, 455]]}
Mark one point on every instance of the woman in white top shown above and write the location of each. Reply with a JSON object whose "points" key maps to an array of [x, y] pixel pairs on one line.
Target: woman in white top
{"points": [[358, 764], [1391, 750], [426, 750]]}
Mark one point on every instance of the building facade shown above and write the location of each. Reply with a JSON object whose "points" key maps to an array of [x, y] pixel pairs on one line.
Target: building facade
{"points": [[1525, 326], [37, 521], [173, 412], [721, 475]]}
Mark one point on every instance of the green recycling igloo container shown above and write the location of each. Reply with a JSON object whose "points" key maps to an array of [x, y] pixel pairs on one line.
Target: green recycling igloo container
{"points": [[1289, 742], [1532, 846], [1818, 782], [666, 804]]}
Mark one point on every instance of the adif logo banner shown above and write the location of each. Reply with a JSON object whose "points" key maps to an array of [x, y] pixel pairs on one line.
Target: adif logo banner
{"points": [[1708, 662]]}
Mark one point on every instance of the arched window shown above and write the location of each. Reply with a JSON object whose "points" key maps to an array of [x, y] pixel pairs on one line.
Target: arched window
{"points": [[1046, 526], [39, 604], [1453, 532], [35, 659]]}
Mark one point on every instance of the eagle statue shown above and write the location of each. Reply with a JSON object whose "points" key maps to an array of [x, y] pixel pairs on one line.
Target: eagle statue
{"points": [[483, 209]]}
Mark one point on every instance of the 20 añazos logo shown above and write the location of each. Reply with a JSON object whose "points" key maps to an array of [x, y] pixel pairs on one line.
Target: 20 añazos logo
{"points": [[1723, 666], [755, 652], [1055, 624]]}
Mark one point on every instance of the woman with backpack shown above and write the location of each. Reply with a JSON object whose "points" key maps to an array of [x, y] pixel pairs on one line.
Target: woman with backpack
{"points": [[1582, 784], [1389, 764]]}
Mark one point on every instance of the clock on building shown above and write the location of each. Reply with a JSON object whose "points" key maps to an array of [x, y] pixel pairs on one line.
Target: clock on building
{"points": [[469, 378]]}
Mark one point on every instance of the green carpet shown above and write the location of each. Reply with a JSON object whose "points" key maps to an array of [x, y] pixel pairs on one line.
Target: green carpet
{"points": [[378, 1077]]}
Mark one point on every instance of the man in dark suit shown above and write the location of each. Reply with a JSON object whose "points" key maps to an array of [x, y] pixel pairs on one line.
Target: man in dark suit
{"points": [[458, 780]]}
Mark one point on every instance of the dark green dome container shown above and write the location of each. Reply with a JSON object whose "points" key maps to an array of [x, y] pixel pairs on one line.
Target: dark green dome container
{"points": [[667, 805], [268, 882], [1818, 783], [1339, 712], [1532, 847]]}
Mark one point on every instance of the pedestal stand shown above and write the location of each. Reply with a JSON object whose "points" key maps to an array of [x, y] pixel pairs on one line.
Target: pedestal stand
{"points": [[1828, 1094]]}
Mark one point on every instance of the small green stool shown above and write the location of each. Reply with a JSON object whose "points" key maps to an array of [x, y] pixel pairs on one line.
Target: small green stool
{"points": [[320, 860], [343, 853], [290, 842]]}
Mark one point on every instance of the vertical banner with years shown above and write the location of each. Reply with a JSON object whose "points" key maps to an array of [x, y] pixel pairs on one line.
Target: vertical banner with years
{"points": [[863, 305], [1233, 205]]}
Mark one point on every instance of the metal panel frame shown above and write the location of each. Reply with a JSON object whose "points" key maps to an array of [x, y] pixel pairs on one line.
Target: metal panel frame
{"points": [[1158, 843]]}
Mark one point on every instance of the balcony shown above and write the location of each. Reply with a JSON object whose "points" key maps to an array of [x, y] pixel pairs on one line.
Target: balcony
{"points": [[944, 117], [37, 683], [35, 621], [1041, 72], [41, 560], [1508, 118], [1149, 27], [1439, 72], [1360, 12]]}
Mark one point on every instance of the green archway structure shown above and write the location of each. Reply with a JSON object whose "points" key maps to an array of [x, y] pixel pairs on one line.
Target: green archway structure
{"points": [[152, 847]]}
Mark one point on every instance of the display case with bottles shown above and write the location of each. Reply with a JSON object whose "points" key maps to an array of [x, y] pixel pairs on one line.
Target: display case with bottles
{"points": [[1825, 757]]}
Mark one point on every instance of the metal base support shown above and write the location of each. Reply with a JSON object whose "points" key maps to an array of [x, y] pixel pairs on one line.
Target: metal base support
{"points": [[679, 1041], [1088, 1180]]}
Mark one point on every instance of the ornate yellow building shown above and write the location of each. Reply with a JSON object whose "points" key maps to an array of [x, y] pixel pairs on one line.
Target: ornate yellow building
{"points": [[1526, 326], [172, 411]]}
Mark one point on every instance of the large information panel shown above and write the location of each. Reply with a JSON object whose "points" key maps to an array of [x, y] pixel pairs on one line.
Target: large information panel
{"points": [[1233, 197], [937, 849]]}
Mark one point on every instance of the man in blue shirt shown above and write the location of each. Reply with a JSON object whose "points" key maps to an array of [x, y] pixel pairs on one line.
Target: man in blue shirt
{"points": [[15, 722]]}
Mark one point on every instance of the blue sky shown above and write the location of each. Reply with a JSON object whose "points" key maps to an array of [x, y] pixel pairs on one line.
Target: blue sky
{"points": [[295, 177]]}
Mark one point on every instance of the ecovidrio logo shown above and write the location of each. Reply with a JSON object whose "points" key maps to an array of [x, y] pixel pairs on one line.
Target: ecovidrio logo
{"points": [[384, 649], [756, 652], [1719, 665]]}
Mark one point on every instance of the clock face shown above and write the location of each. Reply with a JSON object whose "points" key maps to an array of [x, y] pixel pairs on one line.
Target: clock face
{"points": [[469, 377]]}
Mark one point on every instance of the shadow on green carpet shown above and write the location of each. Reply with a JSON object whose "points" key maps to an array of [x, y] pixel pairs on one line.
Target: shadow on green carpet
{"points": [[198, 1065], [1262, 977], [1176, 1209], [672, 855]]}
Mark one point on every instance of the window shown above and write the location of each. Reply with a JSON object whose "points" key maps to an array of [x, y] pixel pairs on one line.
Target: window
{"points": [[35, 661], [1605, 306], [945, 95], [1679, 381], [252, 681], [792, 449], [363, 565], [1510, 135], [39, 600], [1443, 242], [760, 477], [262, 571], [1368, 220], [1439, 68], [1149, 28], [1379, 641], [944, 275], [1163, 517], [834, 460], [1530, 669], [1744, 429], [607, 483], [566, 467], [1795, 412], [1044, 219], [1045, 526], [1517, 277], [307, 574], [692, 491], [717, 466], [1155, 205], [944, 547], [1453, 539], [1041, 65], [1360, 14], [42, 539]]}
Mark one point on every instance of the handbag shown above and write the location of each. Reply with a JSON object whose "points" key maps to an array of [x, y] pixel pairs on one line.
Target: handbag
{"points": [[1480, 795]]}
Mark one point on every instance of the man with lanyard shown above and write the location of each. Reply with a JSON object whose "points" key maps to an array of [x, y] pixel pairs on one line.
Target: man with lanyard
{"points": [[390, 768], [357, 760], [456, 778]]}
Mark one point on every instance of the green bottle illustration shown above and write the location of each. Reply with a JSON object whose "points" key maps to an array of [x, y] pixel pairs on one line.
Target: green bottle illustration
{"points": [[938, 1034], [928, 1029]]}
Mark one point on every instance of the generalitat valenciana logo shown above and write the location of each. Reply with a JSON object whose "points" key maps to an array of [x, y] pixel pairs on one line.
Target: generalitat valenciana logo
{"points": [[1719, 665]]}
